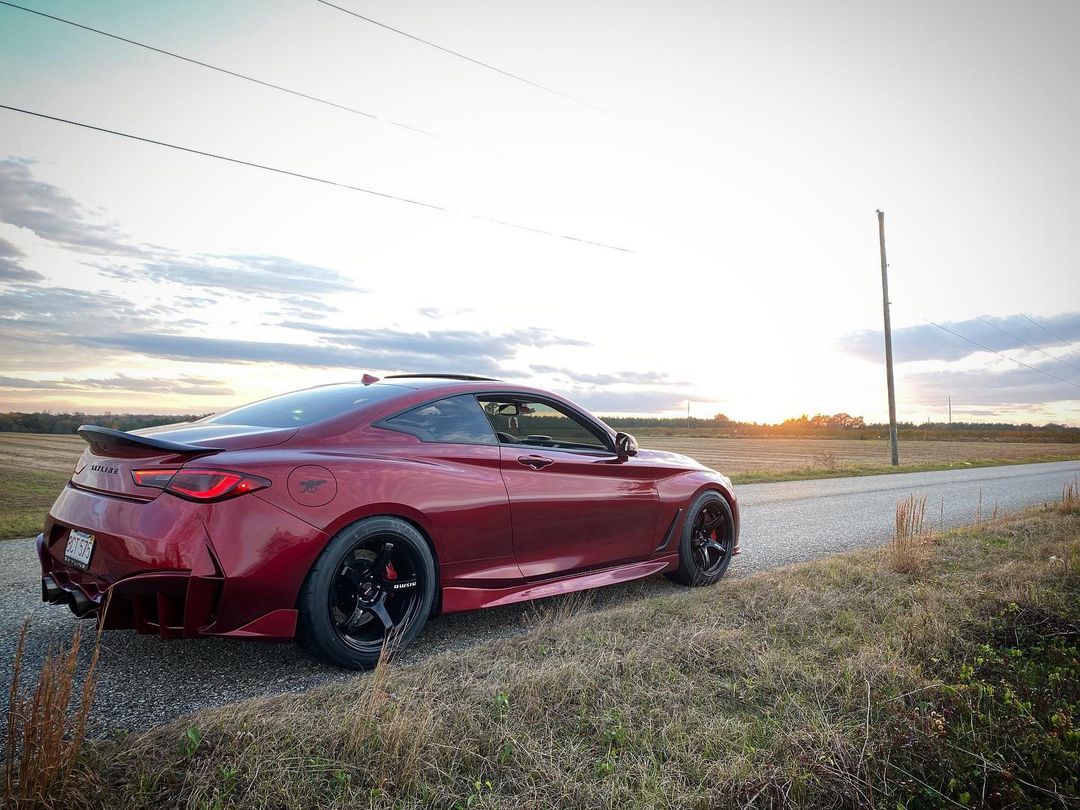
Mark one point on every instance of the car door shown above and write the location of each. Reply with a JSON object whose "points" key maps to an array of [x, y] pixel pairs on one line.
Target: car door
{"points": [[574, 504]]}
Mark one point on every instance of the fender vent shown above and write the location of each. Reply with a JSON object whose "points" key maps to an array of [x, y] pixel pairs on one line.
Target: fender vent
{"points": [[670, 530]]}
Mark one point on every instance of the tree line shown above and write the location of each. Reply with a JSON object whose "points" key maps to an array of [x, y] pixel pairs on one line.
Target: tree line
{"points": [[843, 426], [41, 422]]}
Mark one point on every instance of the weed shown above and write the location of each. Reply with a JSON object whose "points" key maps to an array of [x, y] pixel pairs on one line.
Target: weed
{"points": [[1070, 498], [190, 742], [828, 460], [908, 550], [44, 730], [502, 704]]}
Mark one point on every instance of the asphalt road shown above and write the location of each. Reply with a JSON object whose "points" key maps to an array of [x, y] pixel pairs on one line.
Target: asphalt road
{"points": [[144, 681]]}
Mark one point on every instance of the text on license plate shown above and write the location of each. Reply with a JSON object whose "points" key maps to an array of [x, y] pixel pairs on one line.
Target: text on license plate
{"points": [[80, 546]]}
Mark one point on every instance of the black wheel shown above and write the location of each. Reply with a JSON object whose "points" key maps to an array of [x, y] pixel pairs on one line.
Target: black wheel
{"points": [[707, 542], [374, 578]]}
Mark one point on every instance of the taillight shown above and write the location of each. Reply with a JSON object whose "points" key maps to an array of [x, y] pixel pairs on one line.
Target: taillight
{"points": [[152, 478], [200, 484]]}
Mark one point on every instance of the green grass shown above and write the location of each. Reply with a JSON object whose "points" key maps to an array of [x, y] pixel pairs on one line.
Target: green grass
{"points": [[25, 498], [846, 471], [837, 683]]}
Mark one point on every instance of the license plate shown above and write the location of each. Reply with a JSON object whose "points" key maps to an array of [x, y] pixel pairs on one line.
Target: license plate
{"points": [[80, 546]]}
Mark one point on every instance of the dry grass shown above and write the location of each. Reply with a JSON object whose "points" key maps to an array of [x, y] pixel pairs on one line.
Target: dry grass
{"points": [[46, 728], [909, 548], [1070, 497], [838, 683], [827, 460]]}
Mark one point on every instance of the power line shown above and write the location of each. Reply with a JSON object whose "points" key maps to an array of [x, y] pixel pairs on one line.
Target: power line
{"points": [[312, 178], [1025, 343], [254, 80], [462, 56], [995, 351], [1052, 334]]}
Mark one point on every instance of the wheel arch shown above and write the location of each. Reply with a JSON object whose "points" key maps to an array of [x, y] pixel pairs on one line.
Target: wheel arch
{"points": [[683, 490], [410, 515]]}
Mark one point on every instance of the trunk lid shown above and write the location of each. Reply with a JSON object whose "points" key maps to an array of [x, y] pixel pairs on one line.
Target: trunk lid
{"points": [[107, 463]]}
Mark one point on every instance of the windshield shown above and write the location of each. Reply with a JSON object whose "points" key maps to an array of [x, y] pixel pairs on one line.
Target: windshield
{"points": [[306, 407]]}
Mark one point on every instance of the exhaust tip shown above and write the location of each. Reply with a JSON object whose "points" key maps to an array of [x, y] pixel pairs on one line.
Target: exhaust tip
{"points": [[51, 592], [81, 604]]}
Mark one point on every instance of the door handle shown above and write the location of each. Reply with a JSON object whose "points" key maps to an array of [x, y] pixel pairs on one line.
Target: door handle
{"points": [[536, 462]]}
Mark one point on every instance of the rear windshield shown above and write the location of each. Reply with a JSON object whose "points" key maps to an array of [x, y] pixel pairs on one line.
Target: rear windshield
{"points": [[306, 407]]}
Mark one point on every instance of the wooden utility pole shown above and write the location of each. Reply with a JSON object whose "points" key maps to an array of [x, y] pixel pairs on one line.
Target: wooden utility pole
{"points": [[888, 340]]}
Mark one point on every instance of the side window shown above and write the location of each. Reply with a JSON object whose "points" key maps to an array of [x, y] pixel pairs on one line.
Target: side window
{"points": [[537, 424], [455, 420]]}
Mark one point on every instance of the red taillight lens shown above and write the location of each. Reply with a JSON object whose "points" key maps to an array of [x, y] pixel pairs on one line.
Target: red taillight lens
{"points": [[152, 478], [200, 484]]}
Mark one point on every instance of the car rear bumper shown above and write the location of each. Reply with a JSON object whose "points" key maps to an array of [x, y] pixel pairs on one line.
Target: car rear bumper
{"points": [[179, 569]]}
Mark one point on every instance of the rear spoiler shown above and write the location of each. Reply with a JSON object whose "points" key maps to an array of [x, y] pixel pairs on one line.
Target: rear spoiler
{"points": [[103, 438]]}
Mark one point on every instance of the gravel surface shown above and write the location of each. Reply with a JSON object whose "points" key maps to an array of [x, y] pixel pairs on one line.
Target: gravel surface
{"points": [[144, 681]]}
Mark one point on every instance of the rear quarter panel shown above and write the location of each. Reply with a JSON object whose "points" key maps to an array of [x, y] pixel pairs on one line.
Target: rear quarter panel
{"points": [[454, 493]]}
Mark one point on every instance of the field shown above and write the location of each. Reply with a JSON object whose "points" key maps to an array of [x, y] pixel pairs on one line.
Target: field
{"points": [[34, 467], [780, 459], [33, 470], [952, 679]]}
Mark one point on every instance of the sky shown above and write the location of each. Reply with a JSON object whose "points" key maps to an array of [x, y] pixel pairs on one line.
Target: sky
{"points": [[722, 161]]}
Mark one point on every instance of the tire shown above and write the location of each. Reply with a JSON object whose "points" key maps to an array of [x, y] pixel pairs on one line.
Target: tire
{"points": [[375, 578], [699, 565]]}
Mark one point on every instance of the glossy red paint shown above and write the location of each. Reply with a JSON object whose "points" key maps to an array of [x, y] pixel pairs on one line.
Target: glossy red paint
{"points": [[502, 527]]}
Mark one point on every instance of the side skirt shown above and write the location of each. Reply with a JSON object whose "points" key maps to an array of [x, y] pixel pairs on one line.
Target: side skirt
{"points": [[456, 599]]}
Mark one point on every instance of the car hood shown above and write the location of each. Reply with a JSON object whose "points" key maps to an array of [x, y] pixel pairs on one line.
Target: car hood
{"points": [[670, 459]]}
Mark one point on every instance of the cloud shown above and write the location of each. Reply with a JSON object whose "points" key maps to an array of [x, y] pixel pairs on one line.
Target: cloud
{"points": [[615, 378], [927, 342], [447, 341], [998, 386], [270, 276], [601, 401], [52, 215], [11, 267], [185, 384], [335, 347], [63, 310], [437, 313], [58, 327], [44, 209]]}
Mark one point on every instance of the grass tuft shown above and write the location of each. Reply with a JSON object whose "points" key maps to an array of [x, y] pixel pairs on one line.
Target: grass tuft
{"points": [[1070, 497], [908, 550], [46, 728]]}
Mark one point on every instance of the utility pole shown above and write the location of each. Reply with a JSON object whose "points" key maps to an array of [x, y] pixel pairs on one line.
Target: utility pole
{"points": [[950, 410], [888, 340], [688, 415]]}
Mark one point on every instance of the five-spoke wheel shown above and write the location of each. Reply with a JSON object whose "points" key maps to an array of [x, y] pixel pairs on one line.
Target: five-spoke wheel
{"points": [[707, 542], [374, 581]]}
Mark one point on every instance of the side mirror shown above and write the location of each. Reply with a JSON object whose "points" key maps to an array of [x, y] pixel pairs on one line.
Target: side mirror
{"points": [[625, 444]]}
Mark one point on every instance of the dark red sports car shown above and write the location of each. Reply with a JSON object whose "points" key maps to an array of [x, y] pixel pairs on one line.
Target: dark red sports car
{"points": [[341, 513]]}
